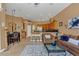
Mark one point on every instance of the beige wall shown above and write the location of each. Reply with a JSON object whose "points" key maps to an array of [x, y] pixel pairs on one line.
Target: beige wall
{"points": [[68, 13], [3, 31], [3, 40]]}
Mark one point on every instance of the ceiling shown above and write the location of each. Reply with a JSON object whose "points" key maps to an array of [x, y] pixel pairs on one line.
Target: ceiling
{"points": [[35, 11]]}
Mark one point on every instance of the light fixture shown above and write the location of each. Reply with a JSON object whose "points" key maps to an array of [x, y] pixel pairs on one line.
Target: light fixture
{"points": [[36, 3], [3, 24], [13, 12], [50, 3]]}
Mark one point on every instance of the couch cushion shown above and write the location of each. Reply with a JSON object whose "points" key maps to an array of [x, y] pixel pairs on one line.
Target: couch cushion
{"points": [[64, 38], [74, 41], [48, 36]]}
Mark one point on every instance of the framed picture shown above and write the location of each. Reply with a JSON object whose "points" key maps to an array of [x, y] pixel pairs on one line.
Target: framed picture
{"points": [[73, 23], [60, 24]]}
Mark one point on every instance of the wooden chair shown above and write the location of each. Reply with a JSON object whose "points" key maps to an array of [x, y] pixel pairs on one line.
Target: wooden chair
{"points": [[13, 37], [46, 38]]}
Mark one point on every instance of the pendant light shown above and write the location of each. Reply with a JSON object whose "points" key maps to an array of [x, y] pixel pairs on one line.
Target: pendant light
{"points": [[13, 12]]}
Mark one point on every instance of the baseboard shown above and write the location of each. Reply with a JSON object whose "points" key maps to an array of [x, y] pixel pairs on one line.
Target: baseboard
{"points": [[2, 50]]}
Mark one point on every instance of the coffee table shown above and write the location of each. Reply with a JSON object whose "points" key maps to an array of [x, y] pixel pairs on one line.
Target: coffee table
{"points": [[54, 49]]}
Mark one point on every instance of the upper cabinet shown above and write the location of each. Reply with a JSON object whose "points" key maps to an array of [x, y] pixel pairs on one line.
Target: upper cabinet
{"points": [[36, 28], [50, 26]]}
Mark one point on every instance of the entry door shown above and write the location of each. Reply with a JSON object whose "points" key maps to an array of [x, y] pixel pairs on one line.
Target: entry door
{"points": [[0, 36], [29, 30]]}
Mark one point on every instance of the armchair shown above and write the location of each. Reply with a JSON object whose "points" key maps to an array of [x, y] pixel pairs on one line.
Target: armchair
{"points": [[50, 44]]}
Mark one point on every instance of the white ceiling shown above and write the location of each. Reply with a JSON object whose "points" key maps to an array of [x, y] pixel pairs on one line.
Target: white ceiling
{"points": [[42, 11]]}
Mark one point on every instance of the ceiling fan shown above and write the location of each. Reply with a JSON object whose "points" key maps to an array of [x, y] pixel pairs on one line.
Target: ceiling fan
{"points": [[39, 3], [36, 3]]}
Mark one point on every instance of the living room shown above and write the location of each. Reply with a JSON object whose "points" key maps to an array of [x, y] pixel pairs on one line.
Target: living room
{"points": [[37, 25]]}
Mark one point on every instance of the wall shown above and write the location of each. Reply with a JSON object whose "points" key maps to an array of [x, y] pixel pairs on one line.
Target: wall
{"points": [[65, 15], [3, 39], [2, 29]]}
